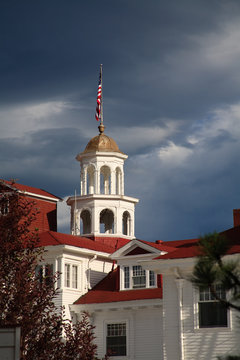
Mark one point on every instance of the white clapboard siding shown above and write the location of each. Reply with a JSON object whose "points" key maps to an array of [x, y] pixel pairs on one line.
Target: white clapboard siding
{"points": [[144, 329], [201, 344]]}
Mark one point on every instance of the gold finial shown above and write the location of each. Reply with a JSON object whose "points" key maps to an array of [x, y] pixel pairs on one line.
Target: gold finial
{"points": [[101, 128]]}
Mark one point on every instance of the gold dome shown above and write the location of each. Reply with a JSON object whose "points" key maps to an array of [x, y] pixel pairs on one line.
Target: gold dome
{"points": [[101, 142]]}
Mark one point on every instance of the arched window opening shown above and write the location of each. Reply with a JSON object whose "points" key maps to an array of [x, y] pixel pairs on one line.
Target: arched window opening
{"points": [[126, 223], [90, 180], [106, 222], [105, 180], [118, 181], [85, 222]]}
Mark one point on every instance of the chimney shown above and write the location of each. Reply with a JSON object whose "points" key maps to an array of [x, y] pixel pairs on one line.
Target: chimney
{"points": [[236, 217]]}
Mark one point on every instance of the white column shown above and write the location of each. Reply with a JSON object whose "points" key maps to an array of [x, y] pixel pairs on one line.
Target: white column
{"points": [[81, 181], [179, 283], [85, 180], [113, 182], [122, 181]]}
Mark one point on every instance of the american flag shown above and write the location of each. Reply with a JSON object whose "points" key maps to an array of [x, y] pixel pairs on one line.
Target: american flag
{"points": [[99, 97]]}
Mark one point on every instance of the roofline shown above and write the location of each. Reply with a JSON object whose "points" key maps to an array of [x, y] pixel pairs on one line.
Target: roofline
{"points": [[83, 155], [116, 305], [101, 196], [136, 242], [78, 249], [54, 199]]}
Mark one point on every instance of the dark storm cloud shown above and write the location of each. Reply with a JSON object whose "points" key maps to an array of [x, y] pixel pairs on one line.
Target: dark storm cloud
{"points": [[171, 101]]}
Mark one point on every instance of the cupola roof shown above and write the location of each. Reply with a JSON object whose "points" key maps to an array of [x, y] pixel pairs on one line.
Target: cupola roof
{"points": [[102, 142]]}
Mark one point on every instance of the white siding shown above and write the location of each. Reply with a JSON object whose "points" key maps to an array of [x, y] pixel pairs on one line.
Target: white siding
{"points": [[99, 269], [144, 329], [201, 344]]}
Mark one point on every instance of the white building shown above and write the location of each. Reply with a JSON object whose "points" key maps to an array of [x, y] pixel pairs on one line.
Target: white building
{"points": [[136, 292]]}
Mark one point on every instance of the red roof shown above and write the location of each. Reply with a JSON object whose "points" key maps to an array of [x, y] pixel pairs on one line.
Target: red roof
{"points": [[160, 246], [30, 189], [51, 238], [114, 242], [106, 291], [189, 248]]}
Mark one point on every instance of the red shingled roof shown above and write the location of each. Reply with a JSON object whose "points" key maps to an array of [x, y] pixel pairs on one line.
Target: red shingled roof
{"points": [[51, 238], [189, 248], [160, 246], [106, 291], [30, 189], [114, 242]]}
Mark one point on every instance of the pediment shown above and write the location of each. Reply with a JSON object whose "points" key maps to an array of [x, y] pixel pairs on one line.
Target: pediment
{"points": [[134, 248], [137, 251]]}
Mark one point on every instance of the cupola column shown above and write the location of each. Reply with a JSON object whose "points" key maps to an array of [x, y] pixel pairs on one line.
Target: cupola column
{"points": [[113, 182], [81, 181], [85, 180], [96, 181]]}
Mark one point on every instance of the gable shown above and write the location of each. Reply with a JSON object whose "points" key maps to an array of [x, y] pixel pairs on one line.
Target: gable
{"points": [[137, 251]]}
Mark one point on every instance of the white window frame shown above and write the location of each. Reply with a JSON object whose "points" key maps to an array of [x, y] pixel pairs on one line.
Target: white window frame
{"points": [[131, 285], [116, 321], [71, 265], [196, 300]]}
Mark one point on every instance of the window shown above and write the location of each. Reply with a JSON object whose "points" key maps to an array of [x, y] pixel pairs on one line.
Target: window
{"points": [[151, 278], [126, 277], [74, 276], [45, 273], [135, 277], [211, 312], [71, 276], [116, 342], [4, 207], [139, 277]]}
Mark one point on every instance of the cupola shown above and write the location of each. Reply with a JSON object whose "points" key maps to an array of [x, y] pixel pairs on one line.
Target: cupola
{"points": [[102, 209]]}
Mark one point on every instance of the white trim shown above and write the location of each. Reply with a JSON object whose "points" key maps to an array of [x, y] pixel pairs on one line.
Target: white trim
{"points": [[39, 196], [76, 249], [116, 321], [133, 245], [102, 196], [72, 263], [147, 274], [117, 305], [196, 326]]}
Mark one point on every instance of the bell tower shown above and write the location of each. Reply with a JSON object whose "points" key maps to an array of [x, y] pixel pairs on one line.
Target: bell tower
{"points": [[102, 209]]}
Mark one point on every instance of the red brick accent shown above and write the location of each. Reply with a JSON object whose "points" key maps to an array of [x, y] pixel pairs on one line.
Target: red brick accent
{"points": [[236, 217]]}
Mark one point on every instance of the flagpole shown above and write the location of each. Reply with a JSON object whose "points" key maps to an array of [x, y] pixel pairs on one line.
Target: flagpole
{"points": [[101, 121]]}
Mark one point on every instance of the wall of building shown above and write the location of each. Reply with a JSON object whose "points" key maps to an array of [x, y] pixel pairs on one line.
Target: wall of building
{"points": [[144, 331], [197, 343], [87, 264]]}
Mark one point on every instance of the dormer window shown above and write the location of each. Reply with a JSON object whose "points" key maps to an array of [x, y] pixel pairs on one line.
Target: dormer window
{"points": [[138, 277], [135, 277]]}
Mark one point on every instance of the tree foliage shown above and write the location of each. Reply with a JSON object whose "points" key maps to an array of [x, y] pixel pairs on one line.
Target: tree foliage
{"points": [[212, 268], [27, 300]]}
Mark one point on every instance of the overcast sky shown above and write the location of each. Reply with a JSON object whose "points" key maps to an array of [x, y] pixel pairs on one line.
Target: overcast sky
{"points": [[171, 80]]}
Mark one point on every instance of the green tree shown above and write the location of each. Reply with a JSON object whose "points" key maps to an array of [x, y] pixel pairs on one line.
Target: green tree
{"points": [[213, 267], [27, 300]]}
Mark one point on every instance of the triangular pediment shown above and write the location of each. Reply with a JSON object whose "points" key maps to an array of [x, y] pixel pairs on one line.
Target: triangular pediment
{"points": [[137, 251], [135, 248]]}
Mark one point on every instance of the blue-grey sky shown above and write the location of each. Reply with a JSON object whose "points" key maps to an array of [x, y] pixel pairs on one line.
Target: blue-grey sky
{"points": [[171, 85]]}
